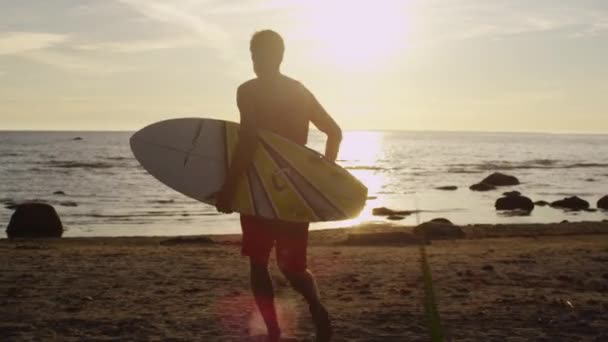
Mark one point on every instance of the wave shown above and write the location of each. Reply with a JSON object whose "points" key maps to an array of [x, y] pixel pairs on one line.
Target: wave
{"points": [[547, 164], [161, 201], [366, 168], [69, 164], [461, 170], [117, 158], [10, 154]]}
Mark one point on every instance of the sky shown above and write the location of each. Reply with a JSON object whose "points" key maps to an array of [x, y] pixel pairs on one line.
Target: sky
{"points": [[465, 65]]}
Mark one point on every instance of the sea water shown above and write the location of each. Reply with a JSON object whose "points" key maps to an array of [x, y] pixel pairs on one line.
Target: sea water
{"points": [[99, 189]]}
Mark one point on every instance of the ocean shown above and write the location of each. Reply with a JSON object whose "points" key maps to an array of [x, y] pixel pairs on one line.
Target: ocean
{"points": [[99, 189]]}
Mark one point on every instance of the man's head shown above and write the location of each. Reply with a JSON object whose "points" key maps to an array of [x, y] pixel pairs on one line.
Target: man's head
{"points": [[267, 50]]}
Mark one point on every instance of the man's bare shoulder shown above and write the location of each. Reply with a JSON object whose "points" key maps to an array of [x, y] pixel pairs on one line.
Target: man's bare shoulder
{"points": [[293, 83], [255, 83], [247, 86]]}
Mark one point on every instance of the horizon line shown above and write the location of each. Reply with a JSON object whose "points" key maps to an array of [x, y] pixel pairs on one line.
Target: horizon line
{"points": [[314, 129]]}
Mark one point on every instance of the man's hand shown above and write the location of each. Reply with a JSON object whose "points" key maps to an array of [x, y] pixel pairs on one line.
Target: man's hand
{"points": [[223, 200]]}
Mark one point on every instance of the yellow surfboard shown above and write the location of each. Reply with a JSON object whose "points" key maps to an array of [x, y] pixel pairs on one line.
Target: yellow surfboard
{"points": [[285, 181]]}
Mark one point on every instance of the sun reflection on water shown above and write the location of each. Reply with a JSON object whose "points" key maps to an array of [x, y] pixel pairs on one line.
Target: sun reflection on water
{"points": [[361, 154]]}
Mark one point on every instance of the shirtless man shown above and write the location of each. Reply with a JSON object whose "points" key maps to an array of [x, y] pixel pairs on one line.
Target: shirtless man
{"points": [[282, 105]]}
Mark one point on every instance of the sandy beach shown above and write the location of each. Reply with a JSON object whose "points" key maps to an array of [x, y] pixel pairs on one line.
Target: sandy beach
{"points": [[501, 283]]}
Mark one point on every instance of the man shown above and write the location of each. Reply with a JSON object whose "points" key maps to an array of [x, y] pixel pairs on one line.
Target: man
{"points": [[282, 105]]}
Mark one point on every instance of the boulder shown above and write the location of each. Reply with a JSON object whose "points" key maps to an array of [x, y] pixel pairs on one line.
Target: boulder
{"points": [[34, 220], [439, 229], [395, 217], [61, 193], [447, 188], [541, 203], [500, 179], [571, 203], [441, 220], [603, 203], [482, 187], [511, 193], [514, 202]]}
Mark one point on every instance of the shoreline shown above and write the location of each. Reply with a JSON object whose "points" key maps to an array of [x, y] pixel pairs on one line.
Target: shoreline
{"points": [[331, 236]]}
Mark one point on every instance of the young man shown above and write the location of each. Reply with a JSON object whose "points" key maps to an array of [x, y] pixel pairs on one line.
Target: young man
{"points": [[282, 105]]}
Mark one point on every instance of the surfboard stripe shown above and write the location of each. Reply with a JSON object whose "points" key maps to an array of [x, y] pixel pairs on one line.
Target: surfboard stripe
{"points": [[334, 183], [264, 204], [243, 198], [321, 205], [256, 210], [282, 192]]}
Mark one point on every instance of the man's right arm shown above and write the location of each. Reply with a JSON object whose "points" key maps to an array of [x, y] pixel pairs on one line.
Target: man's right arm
{"points": [[243, 152], [326, 124]]}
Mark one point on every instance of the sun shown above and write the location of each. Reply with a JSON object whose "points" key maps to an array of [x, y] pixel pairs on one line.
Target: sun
{"points": [[355, 34]]}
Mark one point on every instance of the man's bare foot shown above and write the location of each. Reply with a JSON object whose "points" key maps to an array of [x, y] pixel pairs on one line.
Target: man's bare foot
{"points": [[320, 318]]}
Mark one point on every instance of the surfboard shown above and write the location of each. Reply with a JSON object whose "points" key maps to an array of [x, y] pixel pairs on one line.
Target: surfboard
{"points": [[285, 181]]}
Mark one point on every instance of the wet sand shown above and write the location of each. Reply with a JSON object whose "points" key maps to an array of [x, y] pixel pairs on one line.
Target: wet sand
{"points": [[501, 283]]}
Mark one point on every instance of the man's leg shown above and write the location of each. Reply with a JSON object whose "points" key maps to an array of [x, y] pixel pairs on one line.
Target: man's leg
{"points": [[291, 257], [257, 244], [263, 292], [304, 283]]}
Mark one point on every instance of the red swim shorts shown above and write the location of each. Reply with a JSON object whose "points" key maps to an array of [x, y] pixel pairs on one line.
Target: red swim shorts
{"points": [[291, 238]]}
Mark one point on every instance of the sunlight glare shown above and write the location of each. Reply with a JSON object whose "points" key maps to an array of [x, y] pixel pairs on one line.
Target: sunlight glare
{"points": [[361, 154], [355, 35]]}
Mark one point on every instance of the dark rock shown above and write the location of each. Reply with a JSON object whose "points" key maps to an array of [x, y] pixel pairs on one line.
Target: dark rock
{"points": [[541, 203], [565, 221], [441, 220], [439, 230], [77, 138], [571, 203], [590, 210], [603, 203], [34, 220], [589, 180], [500, 179], [395, 217], [511, 193], [447, 188], [383, 211], [59, 193], [68, 204], [514, 202], [482, 187]]}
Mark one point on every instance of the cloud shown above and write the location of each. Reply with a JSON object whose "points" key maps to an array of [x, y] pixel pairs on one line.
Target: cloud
{"points": [[139, 45], [14, 43], [74, 62], [181, 14], [472, 19]]}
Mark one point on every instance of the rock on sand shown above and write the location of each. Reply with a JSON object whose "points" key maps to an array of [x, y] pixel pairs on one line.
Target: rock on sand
{"points": [[439, 228], [34, 220]]}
